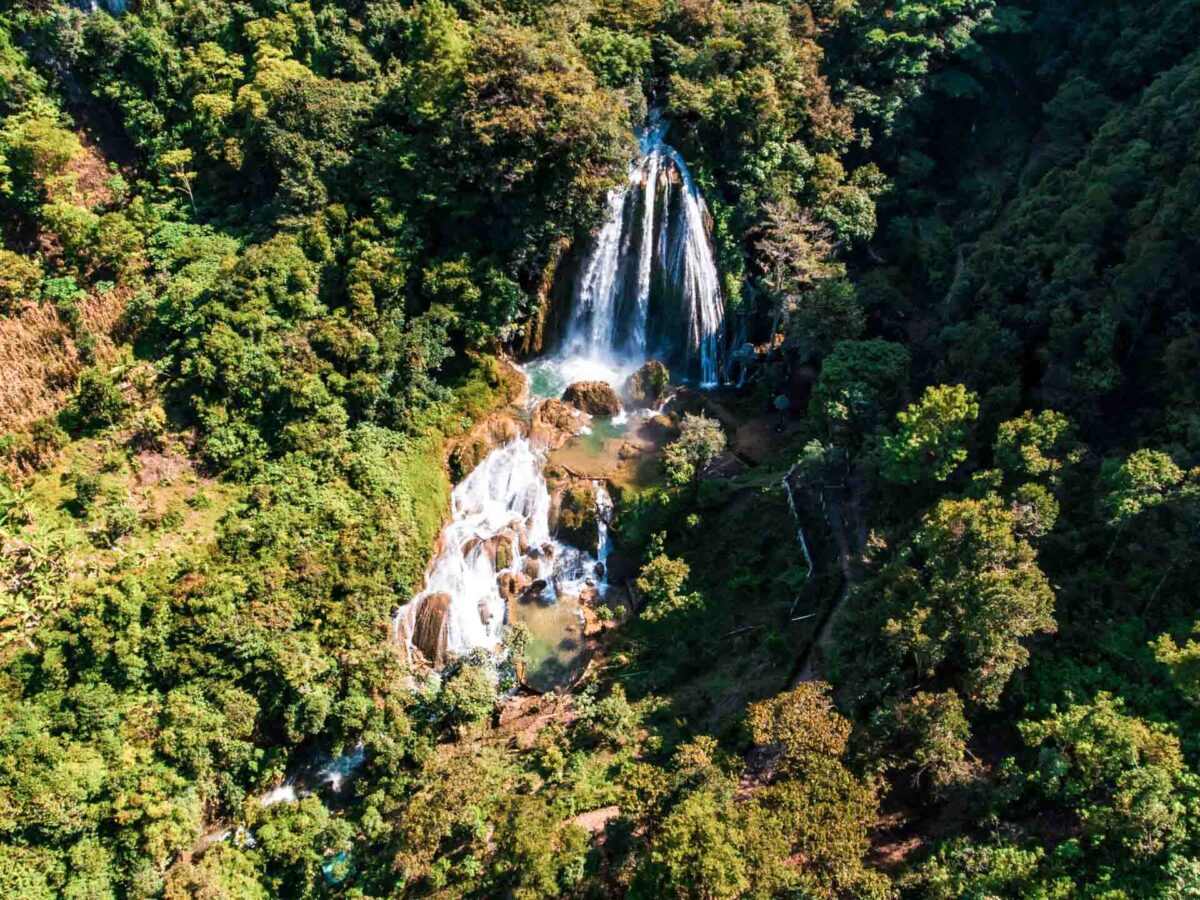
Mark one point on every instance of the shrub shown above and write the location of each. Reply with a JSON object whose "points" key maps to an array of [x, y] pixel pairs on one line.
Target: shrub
{"points": [[98, 401]]}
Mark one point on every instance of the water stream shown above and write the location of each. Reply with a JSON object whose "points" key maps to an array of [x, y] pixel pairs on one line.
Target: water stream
{"points": [[648, 287]]}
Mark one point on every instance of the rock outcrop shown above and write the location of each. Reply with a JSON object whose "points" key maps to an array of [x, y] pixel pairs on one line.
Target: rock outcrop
{"points": [[469, 450], [512, 585], [431, 627], [648, 385], [596, 398], [574, 518], [554, 423]]}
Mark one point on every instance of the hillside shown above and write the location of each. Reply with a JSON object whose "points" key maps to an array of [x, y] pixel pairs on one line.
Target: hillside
{"points": [[695, 449]]}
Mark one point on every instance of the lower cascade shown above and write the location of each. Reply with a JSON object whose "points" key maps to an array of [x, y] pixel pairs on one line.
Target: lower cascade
{"points": [[648, 287], [499, 511]]}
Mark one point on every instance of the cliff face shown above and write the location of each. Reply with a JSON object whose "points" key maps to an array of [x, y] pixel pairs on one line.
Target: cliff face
{"points": [[544, 329]]}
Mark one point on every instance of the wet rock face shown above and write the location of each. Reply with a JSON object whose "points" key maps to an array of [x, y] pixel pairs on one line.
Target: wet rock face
{"points": [[469, 450], [512, 585], [596, 398], [554, 423], [430, 629], [648, 385], [575, 521]]}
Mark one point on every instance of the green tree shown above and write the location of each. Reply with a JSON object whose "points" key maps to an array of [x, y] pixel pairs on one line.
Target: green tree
{"points": [[98, 401], [37, 150], [930, 440], [700, 441], [1182, 662], [1147, 478], [696, 853], [861, 382], [807, 833], [956, 605], [803, 722], [1124, 778], [932, 730], [1035, 445], [20, 281], [662, 580], [468, 695], [827, 315]]}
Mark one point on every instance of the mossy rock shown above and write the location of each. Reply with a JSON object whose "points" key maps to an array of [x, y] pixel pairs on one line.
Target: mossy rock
{"points": [[577, 524], [504, 557], [465, 457], [648, 385]]}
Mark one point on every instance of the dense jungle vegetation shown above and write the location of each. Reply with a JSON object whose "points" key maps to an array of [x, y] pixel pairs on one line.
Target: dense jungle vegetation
{"points": [[260, 263]]}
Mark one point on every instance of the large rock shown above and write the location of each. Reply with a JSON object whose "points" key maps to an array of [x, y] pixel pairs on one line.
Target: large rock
{"points": [[596, 398], [554, 423], [512, 585], [648, 385], [499, 548], [575, 519], [431, 628], [469, 450]]}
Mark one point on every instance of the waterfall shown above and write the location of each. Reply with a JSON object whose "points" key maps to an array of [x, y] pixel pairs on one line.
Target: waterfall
{"points": [[504, 501], [323, 771], [604, 509], [649, 285], [500, 528]]}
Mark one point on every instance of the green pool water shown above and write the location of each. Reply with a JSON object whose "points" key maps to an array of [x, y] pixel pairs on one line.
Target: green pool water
{"points": [[554, 656], [603, 430]]}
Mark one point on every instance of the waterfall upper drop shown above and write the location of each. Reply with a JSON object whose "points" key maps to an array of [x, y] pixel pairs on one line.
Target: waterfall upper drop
{"points": [[649, 285]]}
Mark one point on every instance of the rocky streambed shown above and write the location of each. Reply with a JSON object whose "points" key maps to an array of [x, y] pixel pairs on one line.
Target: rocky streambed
{"points": [[529, 538]]}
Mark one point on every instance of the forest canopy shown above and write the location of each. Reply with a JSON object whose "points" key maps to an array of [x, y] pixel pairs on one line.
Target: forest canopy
{"points": [[908, 600]]}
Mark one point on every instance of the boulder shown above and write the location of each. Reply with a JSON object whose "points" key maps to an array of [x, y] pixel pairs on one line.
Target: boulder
{"points": [[648, 385], [659, 429], [465, 456], [575, 521], [430, 630], [504, 548], [596, 398], [512, 585], [468, 451], [554, 423], [487, 545], [535, 590]]}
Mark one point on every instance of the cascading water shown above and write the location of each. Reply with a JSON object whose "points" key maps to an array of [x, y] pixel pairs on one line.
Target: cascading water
{"points": [[648, 288], [651, 271], [496, 551], [503, 501]]}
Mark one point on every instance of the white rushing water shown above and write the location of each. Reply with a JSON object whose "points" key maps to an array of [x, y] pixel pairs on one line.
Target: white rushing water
{"points": [[648, 287], [612, 316], [504, 499], [332, 772]]}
